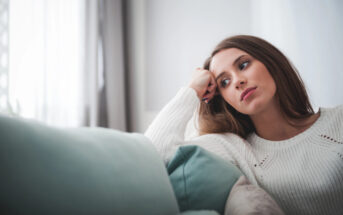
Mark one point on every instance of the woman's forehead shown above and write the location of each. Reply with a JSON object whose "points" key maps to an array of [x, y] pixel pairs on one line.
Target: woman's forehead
{"points": [[225, 58]]}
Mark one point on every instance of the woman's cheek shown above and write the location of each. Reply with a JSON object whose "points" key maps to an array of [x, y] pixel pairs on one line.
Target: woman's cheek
{"points": [[229, 99]]}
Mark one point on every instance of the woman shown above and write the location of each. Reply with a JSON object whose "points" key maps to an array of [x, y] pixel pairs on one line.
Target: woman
{"points": [[254, 112]]}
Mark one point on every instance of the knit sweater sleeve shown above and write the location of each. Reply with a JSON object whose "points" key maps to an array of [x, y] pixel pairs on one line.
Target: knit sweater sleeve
{"points": [[167, 131]]}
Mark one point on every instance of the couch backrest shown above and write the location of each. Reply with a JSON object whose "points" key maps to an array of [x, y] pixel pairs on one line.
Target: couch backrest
{"points": [[48, 170]]}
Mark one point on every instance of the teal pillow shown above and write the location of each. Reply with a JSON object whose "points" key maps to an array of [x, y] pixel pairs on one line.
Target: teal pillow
{"points": [[47, 170], [201, 179]]}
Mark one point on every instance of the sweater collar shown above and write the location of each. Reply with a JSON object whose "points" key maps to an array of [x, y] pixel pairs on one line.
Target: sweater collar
{"points": [[314, 129]]}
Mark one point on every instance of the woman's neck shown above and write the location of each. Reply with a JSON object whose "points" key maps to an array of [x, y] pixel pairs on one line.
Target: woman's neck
{"points": [[272, 125]]}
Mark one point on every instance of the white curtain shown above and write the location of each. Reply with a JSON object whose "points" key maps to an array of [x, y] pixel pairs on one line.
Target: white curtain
{"points": [[4, 57], [45, 60], [66, 62]]}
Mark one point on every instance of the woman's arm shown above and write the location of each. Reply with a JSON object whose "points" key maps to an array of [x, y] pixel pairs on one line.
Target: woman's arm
{"points": [[167, 131], [168, 128]]}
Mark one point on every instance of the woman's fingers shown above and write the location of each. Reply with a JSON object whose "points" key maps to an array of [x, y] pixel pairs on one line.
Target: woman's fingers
{"points": [[211, 90], [212, 87], [203, 82]]}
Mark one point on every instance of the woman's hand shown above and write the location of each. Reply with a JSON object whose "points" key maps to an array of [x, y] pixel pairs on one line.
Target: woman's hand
{"points": [[203, 82]]}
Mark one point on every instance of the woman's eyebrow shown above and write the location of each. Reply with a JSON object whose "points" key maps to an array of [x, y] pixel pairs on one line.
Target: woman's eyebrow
{"points": [[235, 62], [220, 75], [237, 59]]}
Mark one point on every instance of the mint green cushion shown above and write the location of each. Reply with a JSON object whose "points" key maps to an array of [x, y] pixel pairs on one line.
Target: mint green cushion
{"points": [[47, 170], [200, 179]]}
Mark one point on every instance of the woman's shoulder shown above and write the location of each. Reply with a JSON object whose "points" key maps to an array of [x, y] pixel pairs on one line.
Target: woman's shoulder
{"points": [[332, 118], [339, 108], [336, 111]]}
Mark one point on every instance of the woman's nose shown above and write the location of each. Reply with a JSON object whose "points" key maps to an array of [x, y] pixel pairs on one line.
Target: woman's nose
{"points": [[240, 83]]}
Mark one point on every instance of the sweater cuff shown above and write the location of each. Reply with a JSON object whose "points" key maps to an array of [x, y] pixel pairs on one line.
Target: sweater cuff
{"points": [[187, 96]]}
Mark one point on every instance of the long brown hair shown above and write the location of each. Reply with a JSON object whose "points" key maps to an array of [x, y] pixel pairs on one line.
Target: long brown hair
{"points": [[218, 116]]}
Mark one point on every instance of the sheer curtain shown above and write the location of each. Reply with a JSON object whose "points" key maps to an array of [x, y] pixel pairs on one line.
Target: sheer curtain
{"points": [[4, 107], [45, 60], [66, 63]]}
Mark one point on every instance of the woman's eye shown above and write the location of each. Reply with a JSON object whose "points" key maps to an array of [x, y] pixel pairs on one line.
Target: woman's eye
{"points": [[243, 65], [224, 82]]}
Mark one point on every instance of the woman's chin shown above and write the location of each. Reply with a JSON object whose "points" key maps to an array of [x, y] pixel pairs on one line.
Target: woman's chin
{"points": [[251, 108]]}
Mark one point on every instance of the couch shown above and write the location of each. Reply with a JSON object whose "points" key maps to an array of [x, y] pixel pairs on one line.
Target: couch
{"points": [[50, 170]]}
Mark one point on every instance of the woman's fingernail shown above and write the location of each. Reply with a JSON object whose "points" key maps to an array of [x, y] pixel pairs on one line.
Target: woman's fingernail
{"points": [[205, 100]]}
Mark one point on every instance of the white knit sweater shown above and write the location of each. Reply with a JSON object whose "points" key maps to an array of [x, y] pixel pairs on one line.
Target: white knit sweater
{"points": [[304, 174]]}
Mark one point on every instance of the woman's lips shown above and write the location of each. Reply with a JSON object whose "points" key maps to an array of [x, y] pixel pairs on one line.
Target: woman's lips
{"points": [[247, 93]]}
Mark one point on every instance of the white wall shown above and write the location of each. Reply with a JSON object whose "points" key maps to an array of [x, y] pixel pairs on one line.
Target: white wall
{"points": [[310, 33], [169, 39], [180, 35]]}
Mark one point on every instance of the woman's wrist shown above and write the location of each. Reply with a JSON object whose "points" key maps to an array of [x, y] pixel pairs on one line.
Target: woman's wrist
{"points": [[196, 91]]}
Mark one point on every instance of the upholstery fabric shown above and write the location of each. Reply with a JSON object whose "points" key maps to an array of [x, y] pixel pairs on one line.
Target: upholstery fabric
{"points": [[49, 170]]}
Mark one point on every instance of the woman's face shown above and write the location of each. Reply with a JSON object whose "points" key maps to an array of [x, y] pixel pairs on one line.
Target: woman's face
{"points": [[243, 81]]}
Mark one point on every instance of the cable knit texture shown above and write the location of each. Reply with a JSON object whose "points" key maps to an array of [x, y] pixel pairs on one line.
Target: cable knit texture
{"points": [[304, 174]]}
